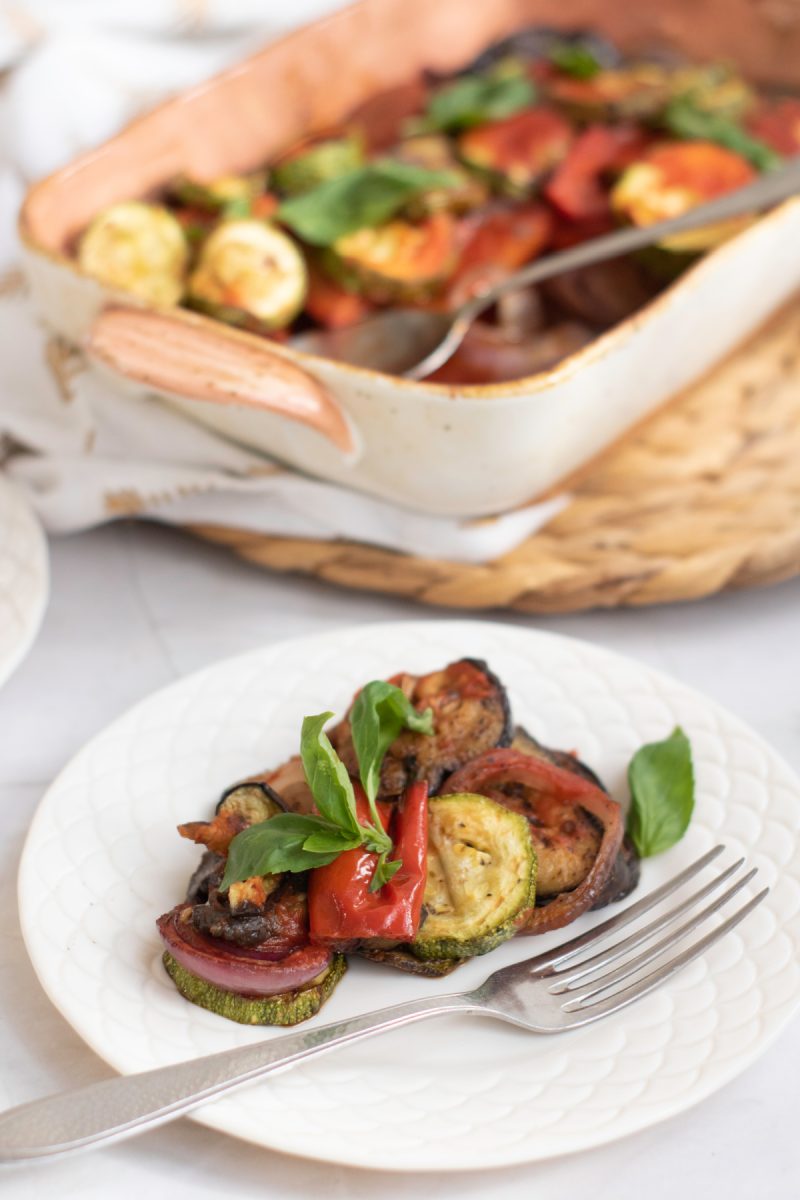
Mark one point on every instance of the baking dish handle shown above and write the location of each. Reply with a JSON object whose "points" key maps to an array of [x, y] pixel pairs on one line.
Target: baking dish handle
{"points": [[174, 355]]}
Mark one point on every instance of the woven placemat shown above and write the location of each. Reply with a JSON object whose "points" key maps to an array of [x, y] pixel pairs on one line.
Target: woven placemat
{"points": [[703, 497]]}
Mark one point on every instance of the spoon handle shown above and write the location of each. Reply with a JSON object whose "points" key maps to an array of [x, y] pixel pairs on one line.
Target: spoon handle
{"points": [[769, 189]]}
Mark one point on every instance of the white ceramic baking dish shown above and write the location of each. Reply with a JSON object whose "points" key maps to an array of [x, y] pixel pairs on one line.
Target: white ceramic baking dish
{"points": [[443, 449]]}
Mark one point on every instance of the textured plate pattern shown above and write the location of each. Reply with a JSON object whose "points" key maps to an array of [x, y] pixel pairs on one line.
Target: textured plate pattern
{"points": [[23, 577], [102, 861]]}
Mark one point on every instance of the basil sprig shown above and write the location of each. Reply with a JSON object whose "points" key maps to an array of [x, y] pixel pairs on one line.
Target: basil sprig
{"points": [[661, 778], [362, 198], [686, 119], [472, 99], [297, 842], [575, 59]]}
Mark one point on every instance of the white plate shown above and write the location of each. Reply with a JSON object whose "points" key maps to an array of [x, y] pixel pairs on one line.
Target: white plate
{"points": [[102, 861], [23, 577]]}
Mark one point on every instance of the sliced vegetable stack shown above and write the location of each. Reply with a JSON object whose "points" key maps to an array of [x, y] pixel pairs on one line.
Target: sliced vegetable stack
{"points": [[434, 192], [421, 831]]}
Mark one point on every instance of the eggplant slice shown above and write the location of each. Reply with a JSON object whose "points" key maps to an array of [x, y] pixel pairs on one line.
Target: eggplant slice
{"points": [[625, 874], [470, 714], [401, 958]]}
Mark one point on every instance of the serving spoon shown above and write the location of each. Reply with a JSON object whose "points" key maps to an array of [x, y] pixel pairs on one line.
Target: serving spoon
{"points": [[415, 342]]}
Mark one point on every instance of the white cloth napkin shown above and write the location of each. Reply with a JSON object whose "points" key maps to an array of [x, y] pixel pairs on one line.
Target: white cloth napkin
{"points": [[85, 453]]}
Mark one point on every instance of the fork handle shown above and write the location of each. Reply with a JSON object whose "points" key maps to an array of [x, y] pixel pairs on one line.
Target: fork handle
{"points": [[129, 1104]]}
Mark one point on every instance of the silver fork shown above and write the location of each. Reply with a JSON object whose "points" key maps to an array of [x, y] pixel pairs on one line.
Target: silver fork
{"points": [[561, 989]]}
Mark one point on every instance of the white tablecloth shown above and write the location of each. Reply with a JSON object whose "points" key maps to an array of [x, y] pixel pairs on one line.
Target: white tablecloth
{"points": [[134, 607]]}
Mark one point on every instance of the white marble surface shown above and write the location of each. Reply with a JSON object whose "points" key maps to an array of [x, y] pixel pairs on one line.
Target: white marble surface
{"points": [[133, 608]]}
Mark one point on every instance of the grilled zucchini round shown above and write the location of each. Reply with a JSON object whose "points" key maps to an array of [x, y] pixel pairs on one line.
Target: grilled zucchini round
{"points": [[481, 877], [250, 272], [138, 248], [300, 172], [287, 1008]]}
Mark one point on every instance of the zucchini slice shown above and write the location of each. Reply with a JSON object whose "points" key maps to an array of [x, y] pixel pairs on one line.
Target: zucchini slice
{"points": [[287, 1008], [515, 154], [481, 877], [249, 272], [138, 248], [229, 194], [401, 261], [301, 170], [434, 152], [674, 177], [470, 714]]}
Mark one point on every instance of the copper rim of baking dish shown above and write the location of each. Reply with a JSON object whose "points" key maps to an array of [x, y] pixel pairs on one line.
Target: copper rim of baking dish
{"points": [[598, 348]]}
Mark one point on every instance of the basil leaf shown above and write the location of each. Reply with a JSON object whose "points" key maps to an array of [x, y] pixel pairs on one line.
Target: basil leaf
{"points": [[365, 197], [575, 59], [472, 99], [276, 845], [661, 778], [384, 871], [380, 713], [686, 120], [237, 208], [333, 842], [327, 775]]}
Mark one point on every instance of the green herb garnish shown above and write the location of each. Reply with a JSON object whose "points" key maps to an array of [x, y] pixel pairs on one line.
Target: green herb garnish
{"points": [[361, 198], [237, 208], [575, 59], [472, 99], [294, 842], [686, 120], [661, 778]]}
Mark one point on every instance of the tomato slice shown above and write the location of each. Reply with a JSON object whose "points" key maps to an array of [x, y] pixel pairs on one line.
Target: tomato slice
{"points": [[578, 187], [778, 124], [331, 305], [498, 241], [250, 972], [519, 150]]}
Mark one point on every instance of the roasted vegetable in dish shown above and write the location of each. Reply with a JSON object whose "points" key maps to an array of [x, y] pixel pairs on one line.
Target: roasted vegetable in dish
{"points": [[249, 273], [383, 211], [138, 248], [481, 877], [415, 834], [429, 193]]}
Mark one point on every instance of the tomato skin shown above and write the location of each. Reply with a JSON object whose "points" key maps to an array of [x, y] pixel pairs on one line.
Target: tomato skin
{"points": [[778, 125], [549, 784], [518, 150], [331, 305], [250, 972], [497, 242], [576, 188], [341, 908]]}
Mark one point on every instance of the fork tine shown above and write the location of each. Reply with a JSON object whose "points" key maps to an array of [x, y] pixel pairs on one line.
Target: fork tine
{"points": [[604, 982], [567, 950], [583, 1015], [568, 975]]}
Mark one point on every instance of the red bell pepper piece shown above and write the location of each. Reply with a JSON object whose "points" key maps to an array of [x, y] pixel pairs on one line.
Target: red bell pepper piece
{"points": [[577, 187], [341, 908]]}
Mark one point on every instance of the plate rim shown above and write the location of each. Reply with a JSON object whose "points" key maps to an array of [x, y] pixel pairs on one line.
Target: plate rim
{"points": [[41, 563], [505, 1156]]}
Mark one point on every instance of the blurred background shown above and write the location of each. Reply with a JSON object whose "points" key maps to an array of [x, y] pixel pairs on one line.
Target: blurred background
{"points": [[75, 70]]}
